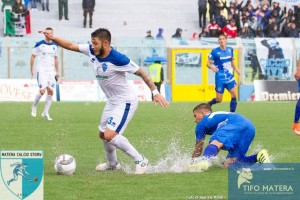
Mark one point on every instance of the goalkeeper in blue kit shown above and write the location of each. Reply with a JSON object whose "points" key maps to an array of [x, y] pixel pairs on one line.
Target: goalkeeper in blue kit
{"points": [[229, 131]]}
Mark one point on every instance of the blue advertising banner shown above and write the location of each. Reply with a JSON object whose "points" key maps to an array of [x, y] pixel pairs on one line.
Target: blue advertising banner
{"points": [[265, 182]]}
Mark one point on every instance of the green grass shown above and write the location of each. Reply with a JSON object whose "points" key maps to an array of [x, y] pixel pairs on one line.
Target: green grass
{"points": [[152, 130]]}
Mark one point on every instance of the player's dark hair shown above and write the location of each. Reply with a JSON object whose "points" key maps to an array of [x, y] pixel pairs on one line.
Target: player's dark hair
{"points": [[49, 29], [222, 34], [203, 106], [102, 34]]}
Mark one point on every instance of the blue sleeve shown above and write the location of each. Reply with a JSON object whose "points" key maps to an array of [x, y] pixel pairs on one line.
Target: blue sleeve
{"points": [[211, 55], [200, 130]]}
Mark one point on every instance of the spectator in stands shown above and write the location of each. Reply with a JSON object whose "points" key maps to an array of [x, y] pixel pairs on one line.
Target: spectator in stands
{"points": [[293, 31], [236, 16], [45, 5], [221, 20], [275, 32], [212, 8], [33, 4], [213, 28], [230, 30], [195, 36], [285, 27], [259, 32], [149, 36], [204, 33], [290, 14], [26, 3], [177, 34], [202, 10], [88, 7], [246, 32], [263, 13], [63, 9], [160, 34], [19, 7], [7, 3]]}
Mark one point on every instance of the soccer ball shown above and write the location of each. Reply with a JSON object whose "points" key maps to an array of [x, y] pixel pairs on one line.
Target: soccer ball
{"points": [[65, 164]]}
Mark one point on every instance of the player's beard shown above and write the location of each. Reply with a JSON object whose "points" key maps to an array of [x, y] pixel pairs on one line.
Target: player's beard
{"points": [[101, 51]]}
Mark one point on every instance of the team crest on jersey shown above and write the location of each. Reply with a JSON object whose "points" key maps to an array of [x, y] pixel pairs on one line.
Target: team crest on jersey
{"points": [[104, 67], [22, 175], [93, 60]]}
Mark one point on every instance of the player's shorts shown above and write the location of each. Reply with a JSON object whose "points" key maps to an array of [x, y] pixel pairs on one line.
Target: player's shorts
{"points": [[298, 85], [46, 80], [221, 86], [236, 138], [117, 117]]}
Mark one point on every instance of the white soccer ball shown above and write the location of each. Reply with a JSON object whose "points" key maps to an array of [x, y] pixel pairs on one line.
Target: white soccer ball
{"points": [[65, 164]]}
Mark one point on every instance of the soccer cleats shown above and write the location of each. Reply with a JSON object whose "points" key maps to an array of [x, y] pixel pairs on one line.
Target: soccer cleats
{"points": [[296, 128], [141, 166], [106, 166], [263, 156], [33, 111], [47, 117]]}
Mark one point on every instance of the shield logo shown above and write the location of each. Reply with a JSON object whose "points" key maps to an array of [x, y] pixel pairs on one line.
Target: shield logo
{"points": [[104, 67], [22, 175]]}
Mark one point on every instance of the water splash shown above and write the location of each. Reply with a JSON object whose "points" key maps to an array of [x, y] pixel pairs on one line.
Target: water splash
{"points": [[178, 160]]}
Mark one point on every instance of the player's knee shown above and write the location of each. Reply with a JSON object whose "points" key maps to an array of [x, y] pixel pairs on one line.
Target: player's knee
{"points": [[101, 135], [42, 92], [49, 92]]}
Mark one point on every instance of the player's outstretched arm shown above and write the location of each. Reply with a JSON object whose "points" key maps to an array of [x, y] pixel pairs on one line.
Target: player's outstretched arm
{"points": [[157, 97], [198, 148], [60, 41]]}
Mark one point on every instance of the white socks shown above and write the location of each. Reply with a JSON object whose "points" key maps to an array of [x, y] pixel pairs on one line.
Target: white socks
{"points": [[47, 104], [122, 143], [111, 153], [37, 98]]}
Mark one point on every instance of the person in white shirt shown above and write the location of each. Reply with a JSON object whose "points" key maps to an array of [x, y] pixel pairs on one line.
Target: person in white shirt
{"points": [[46, 52], [111, 67]]}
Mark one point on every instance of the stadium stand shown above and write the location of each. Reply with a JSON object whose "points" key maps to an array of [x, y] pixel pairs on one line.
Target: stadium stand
{"points": [[122, 18]]}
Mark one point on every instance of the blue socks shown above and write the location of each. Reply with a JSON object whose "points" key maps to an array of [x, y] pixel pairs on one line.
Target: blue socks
{"points": [[212, 102], [297, 112], [210, 151], [233, 105], [244, 162]]}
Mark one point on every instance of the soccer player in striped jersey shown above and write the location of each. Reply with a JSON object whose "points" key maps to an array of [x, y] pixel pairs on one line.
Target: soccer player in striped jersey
{"points": [[46, 52], [221, 61], [229, 131], [296, 125], [110, 68]]}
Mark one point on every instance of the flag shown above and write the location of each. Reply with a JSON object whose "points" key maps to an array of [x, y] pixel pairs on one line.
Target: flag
{"points": [[9, 25]]}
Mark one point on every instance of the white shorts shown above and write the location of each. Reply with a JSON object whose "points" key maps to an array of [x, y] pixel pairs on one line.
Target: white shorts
{"points": [[117, 117], [46, 80]]}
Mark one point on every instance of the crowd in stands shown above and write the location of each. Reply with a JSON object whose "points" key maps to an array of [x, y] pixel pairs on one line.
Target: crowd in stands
{"points": [[246, 20]]}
